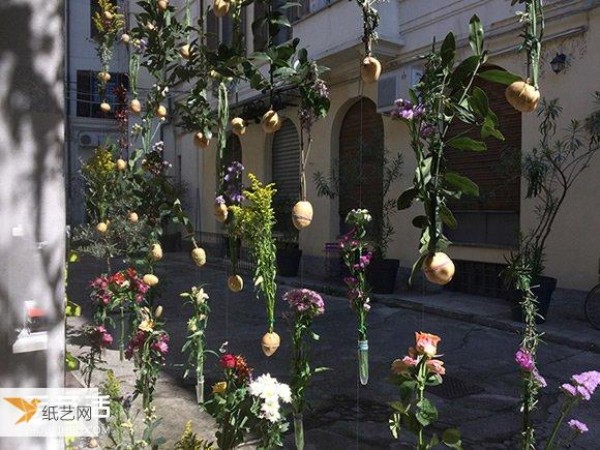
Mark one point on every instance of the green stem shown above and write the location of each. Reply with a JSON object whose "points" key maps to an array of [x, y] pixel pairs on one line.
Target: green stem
{"points": [[122, 336], [420, 397], [565, 410]]}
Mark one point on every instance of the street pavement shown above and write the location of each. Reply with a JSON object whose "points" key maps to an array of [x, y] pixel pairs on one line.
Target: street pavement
{"points": [[482, 386]]}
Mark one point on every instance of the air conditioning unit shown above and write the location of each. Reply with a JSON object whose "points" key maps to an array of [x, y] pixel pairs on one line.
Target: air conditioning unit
{"points": [[394, 85], [88, 140]]}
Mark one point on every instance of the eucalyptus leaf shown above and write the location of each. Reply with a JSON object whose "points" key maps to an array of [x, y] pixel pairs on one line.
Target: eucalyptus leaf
{"points": [[416, 267], [426, 412], [479, 102], [476, 35], [489, 129], [500, 76], [406, 198], [464, 70], [448, 50], [466, 143], [447, 217], [435, 440], [284, 72], [462, 183], [451, 438], [420, 222]]}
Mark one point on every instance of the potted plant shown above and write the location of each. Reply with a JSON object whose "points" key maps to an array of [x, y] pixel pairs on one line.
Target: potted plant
{"points": [[550, 171], [382, 271]]}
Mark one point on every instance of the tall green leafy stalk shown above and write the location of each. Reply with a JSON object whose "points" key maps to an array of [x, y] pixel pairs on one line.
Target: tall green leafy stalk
{"points": [[444, 94], [533, 32], [550, 169], [254, 223], [370, 23]]}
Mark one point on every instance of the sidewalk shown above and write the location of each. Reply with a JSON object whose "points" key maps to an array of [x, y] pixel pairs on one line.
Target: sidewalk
{"points": [[480, 393], [566, 323]]}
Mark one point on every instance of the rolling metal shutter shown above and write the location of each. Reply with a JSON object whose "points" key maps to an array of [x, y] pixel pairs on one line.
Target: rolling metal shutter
{"points": [[286, 173]]}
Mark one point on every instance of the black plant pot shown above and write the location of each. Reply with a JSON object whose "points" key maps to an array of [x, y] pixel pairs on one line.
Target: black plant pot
{"points": [[288, 261], [381, 275], [542, 289]]}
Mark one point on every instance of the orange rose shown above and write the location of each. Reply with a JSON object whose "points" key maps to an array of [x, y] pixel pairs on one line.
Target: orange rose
{"points": [[426, 344], [400, 366], [435, 366]]}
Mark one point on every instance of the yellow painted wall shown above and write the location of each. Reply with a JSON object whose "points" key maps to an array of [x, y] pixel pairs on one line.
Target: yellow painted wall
{"points": [[573, 251]]}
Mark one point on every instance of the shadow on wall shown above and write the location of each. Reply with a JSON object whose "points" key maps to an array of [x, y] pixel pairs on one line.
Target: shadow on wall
{"points": [[32, 220]]}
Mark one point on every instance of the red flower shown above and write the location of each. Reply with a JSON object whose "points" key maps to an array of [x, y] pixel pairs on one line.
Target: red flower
{"points": [[228, 361]]}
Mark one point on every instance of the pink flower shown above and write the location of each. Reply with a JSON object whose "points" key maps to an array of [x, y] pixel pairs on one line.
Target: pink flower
{"points": [[106, 339], [402, 366], [577, 426], [569, 390], [426, 344], [524, 359], [435, 366], [161, 346]]}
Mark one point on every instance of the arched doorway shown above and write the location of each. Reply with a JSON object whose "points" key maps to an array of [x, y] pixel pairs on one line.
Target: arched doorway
{"points": [[232, 151], [361, 150]]}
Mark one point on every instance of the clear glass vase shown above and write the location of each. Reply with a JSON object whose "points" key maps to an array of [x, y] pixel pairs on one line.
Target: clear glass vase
{"points": [[200, 390], [363, 362], [299, 431]]}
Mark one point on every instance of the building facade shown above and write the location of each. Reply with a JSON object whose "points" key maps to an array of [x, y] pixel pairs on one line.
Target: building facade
{"points": [[489, 226]]}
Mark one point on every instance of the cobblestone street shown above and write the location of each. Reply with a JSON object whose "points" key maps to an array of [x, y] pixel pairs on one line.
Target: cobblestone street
{"points": [[480, 394]]}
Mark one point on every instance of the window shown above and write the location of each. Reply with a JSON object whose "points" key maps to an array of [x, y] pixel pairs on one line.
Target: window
{"points": [[88, 93], [493, 217], [220, 30]]}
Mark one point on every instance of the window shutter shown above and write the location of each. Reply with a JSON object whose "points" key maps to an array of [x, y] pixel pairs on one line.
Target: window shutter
{"points": [[493, 218], [286, 172]]}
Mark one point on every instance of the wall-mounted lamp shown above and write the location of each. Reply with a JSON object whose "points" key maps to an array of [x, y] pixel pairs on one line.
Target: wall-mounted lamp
{"points": [[559, 62]]}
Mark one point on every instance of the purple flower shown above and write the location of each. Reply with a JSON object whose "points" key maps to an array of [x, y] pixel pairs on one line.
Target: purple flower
{"points": [[139, 46], [305, 301], [524, 359], [588, 380], [425, 130], [404, 109], [232, 184], [584, 385], [569, 390], [577, 426]]}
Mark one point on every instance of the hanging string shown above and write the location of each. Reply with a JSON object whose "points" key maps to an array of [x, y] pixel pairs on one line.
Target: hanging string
{"points": [[360, 181], [302, 196]]}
